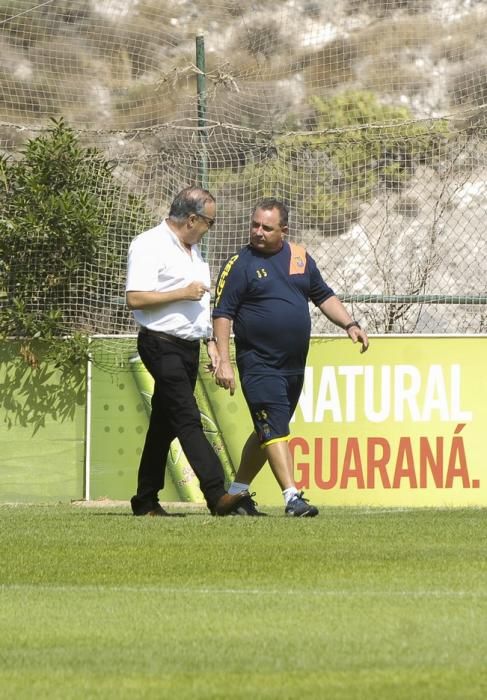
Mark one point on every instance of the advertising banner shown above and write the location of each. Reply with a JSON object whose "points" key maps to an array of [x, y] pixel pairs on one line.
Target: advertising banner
{"points": [[401, 425], [42, 429]]}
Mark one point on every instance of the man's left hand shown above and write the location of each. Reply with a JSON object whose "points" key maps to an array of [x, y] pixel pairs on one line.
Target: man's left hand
{"points": [[225, 377], [356, 334]]}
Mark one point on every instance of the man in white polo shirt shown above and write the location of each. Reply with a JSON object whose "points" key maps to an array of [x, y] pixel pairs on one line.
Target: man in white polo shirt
{"points": [[168, 290]]}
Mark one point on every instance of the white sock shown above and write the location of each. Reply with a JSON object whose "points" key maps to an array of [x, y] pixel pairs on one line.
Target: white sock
{"points": [[289, 494], [237, 487]]}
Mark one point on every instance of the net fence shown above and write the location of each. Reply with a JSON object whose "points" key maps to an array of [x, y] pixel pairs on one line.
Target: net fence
{"points": [[367, 118]]}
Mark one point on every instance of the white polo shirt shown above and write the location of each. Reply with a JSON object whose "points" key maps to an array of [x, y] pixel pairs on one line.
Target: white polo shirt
{"points": [[158, 262]]}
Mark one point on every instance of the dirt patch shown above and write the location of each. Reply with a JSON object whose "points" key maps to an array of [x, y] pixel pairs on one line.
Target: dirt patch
{"points": [[110, 503]]}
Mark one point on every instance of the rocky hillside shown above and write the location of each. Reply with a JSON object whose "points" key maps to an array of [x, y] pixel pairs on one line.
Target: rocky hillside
{"points": [[113, 64], [406, 219]]}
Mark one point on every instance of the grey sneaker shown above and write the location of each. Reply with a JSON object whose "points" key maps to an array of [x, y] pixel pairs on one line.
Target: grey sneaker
{"points": [[300, 508], [247, 506]]}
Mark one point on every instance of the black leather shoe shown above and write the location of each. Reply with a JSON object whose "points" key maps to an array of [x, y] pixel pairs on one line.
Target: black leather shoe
{"points": [[151, 506], [228, 502], [156, 511]]}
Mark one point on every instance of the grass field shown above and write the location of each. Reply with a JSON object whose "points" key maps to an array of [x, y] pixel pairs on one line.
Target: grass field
{"points": [[357, 603]]}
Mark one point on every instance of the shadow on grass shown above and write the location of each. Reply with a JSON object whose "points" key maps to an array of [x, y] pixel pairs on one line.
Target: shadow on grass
{"points": [[139, 517]]}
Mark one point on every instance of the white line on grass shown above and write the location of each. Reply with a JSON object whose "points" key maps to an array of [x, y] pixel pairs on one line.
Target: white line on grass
{"points": [[185, 590]]}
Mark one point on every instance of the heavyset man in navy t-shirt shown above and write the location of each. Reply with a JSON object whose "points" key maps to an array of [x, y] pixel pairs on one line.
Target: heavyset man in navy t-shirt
{"points": [[263, 292]]}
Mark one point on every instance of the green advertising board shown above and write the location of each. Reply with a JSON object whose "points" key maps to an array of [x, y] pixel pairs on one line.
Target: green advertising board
{"points": [[120, 393], [401, 425], [42, 431]]}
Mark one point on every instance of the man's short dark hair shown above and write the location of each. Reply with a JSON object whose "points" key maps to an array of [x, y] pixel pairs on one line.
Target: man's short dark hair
{"points": [[191, 200], [271, 203]]}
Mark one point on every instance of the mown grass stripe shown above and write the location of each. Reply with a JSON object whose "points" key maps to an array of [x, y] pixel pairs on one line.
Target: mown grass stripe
{"points": [[173, 590]]}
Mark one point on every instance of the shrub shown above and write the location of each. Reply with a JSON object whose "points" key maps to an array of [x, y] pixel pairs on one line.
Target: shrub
{"points": [[330, 65], [62, 213], [357, 146], [264, 40]]}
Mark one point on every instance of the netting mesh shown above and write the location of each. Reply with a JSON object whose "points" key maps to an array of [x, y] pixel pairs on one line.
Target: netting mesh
{"points": [[367, 118]]}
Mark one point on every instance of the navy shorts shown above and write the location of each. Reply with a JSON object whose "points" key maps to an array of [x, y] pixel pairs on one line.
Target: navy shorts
{"points": [[272, 400]]}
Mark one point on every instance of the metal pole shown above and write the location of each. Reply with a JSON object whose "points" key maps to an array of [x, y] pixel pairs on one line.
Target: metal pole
{"points": [[201, 88], [203, 136], [414, 299]]}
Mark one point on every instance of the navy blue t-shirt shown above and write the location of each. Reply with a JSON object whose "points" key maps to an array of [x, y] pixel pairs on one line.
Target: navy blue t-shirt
{"points": [[267, 297]]}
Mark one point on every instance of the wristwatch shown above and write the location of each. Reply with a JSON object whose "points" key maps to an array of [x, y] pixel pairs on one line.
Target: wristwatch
{"points": [[210, 339], [351, 325]]}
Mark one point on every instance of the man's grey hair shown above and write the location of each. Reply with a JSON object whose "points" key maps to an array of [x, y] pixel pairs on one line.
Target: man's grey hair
{"points": [[191, 200]]}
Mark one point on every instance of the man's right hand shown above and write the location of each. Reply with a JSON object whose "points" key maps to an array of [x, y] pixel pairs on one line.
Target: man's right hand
{"points": [[225, 376], [196, 290]]}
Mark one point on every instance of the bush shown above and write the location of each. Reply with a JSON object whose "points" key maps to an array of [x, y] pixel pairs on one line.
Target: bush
{"points": [[357, 146], [265, 40], [60, 260]]}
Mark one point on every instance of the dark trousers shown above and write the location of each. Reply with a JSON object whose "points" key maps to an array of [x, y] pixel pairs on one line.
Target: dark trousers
{"points": [[175, 414]]}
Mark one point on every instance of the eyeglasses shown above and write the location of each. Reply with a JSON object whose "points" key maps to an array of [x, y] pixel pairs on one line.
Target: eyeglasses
{"points": [[208, 219]]}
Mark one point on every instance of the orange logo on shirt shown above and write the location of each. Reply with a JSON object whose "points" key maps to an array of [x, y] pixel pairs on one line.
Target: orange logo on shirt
{"points": [[297, 264]]}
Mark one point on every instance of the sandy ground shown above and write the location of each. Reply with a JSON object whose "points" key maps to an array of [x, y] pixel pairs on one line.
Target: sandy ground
{"points": [[110, 503]]}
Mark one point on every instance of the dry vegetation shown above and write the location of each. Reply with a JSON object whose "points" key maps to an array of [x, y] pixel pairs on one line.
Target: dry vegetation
{"points": [[128, 77], [134, 67]]}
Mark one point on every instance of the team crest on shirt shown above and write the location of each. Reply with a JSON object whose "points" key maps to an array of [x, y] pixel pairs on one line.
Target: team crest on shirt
{"points": [[297, 261], [261, 272]]}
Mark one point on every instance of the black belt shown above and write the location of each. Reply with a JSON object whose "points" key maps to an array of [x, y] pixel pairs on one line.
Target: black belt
{"points": [[171, 338]]}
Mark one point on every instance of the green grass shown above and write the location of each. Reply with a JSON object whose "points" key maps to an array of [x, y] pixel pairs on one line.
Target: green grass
{"points": [[357, 603]]}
